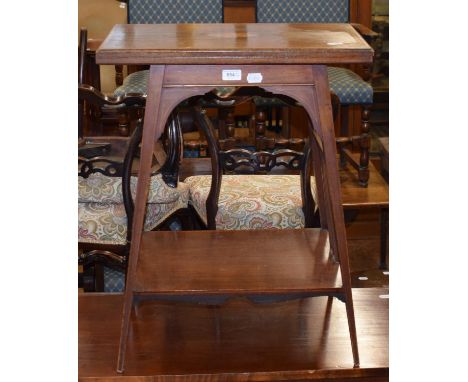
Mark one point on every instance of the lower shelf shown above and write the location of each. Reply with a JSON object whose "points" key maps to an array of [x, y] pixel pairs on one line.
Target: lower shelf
{"points": [[257, 262]]}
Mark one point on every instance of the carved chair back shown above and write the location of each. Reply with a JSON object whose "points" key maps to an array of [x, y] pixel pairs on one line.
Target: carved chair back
{"points": [[232, 160], [117, 168]]}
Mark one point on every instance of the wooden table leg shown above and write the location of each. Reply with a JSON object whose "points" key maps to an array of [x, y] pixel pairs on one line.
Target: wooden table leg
{"points": [[320, 112], [151, 128], [316, 101]]}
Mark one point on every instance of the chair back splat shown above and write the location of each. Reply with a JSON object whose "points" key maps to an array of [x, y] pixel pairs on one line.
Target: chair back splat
{"points": [[255, 162]]}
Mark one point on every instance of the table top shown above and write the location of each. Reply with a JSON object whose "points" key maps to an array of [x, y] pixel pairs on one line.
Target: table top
{"points": [[233, 44], [292, 340]]}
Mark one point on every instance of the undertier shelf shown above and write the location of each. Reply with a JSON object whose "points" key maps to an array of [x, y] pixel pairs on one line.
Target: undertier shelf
{"points": [[254, 262]]}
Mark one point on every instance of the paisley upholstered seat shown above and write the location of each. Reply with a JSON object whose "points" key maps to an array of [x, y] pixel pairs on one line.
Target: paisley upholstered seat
{"points": [[252, 201], [101, 213]]}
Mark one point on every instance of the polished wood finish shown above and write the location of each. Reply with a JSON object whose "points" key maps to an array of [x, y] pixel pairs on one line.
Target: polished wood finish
{"points": [[240, 44], [233, 44], [295, 340], [236, 262]]}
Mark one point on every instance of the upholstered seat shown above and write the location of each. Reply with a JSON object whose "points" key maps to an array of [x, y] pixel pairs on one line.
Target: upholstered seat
{"points": [[166, 12], [101, 213], [138, 83], [252, 201], [114, 280], [134, 83], [98, 188], [350, 88]]}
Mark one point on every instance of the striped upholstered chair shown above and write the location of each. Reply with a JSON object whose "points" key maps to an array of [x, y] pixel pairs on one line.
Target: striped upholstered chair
{"points": [[349, 87], [166, 12]]}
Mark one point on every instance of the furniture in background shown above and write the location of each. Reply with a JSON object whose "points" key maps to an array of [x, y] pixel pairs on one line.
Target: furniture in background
{"points": [[254, 200], [163, 12], [384, 152], [282, 59], [239, 11], [105, 115], [105, 205], [355, 198], [349, 87]]}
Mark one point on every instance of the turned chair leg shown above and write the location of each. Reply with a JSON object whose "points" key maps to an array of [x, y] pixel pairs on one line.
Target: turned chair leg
{"points": [[118, 75], [364, 144], [343, 112], [124, 124]]}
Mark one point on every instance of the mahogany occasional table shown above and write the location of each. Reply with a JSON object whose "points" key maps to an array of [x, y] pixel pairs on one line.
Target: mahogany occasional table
{"points": [[188, 60]]}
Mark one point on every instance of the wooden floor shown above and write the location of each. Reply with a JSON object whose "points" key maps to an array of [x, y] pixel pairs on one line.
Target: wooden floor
{"points": [[305, 339]]}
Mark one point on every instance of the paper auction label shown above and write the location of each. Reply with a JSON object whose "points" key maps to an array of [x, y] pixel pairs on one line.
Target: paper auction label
{"points": [[232, 75]]}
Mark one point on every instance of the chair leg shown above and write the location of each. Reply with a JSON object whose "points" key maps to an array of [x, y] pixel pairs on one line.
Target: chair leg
{"points": [[364, 144], [343, 111], [124, 125], [118, 75]]}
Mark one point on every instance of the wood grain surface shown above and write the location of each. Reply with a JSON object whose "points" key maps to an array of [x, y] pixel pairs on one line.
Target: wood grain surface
{"points": [[295, 340], [236, 262], [233, 44]]}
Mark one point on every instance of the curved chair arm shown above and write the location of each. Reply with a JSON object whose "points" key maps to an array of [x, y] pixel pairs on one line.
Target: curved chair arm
{"points": [[92, 95]]}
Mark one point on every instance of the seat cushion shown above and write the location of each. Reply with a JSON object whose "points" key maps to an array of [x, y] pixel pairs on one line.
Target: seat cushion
{"points": [[136, 82], [106, 223], [114, 280], [349, 87], [99, 188], [252, 201]]}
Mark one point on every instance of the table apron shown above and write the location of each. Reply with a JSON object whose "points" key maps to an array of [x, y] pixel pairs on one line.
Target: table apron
{"points": [[247, 75]]}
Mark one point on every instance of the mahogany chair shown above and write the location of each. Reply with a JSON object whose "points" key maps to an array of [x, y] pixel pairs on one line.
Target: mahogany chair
{"points": [[105, 185], [253, 199], [101, 118], [105, 208], [349, 87]]}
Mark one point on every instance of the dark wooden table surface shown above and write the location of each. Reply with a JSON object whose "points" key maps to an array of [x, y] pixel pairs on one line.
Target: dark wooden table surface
{"points": [[233, 44], [292, 340]]}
